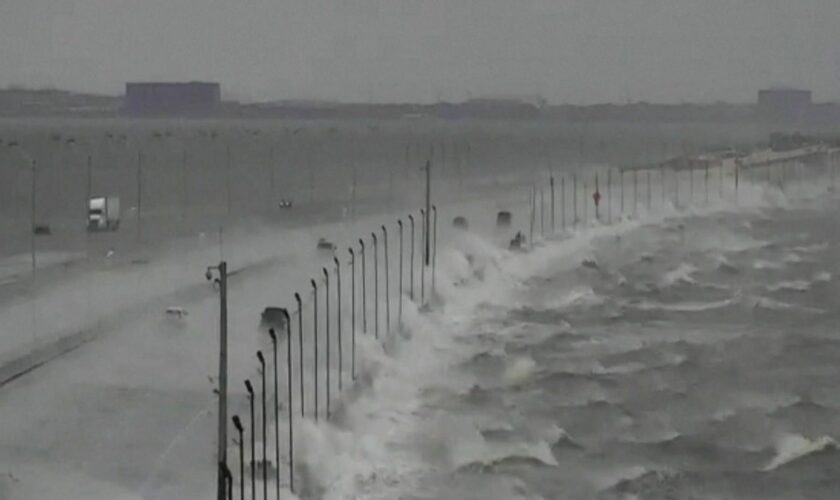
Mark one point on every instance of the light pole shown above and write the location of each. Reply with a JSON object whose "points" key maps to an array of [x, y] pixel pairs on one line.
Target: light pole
{"points": [[364, 285], [352, 313], [411, 259], [315, 339], [238, 424], [264, 427], [253, 441], [300, 347], [375, 285], [400, 286], [327, 322], [338, 317], [277, 403], [387, 285]]}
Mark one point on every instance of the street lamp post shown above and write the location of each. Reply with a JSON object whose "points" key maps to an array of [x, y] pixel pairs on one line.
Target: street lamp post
{"points": [[264, 427], [238, 424], [250, 389], [273, 335], [338, 317], [327, 321]]}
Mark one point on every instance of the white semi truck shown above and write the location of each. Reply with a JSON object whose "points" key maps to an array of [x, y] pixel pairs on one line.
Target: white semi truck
{"points": [[103, 214]]}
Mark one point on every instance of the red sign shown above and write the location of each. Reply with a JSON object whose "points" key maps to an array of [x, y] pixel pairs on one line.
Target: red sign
{"points": [[597, 197]]}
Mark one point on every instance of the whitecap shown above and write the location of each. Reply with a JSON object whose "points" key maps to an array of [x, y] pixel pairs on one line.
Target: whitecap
{"points": [[792, 447], [778, 305], [766, 264], [682, 274], [519, 370], [790, 286], [683, 306], [822, 277]]}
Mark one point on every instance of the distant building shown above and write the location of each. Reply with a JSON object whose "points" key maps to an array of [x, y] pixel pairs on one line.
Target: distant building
{"points": [[784, 104], [161, 98]]}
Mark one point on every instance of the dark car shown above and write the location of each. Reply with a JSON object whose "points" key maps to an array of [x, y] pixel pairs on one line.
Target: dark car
{"points": [[273, 317], [503, 219], [460, 223]]}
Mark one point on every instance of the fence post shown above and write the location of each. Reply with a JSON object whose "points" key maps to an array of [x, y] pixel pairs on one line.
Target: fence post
{"points": [[574, 201], [533, 195], [609, 195], [400, 285], [737, 174], [315, 339], [648, 190], [663, 182], [690, 185], [375, 285], [387, 284], [551, 184], [352, 314], [563, 203], [621, 179], [411, 260], [707, 183], [597, 198], [327, 333], [585, 203], [338, 317], [635, 192], [542, 222], [300, 346]]}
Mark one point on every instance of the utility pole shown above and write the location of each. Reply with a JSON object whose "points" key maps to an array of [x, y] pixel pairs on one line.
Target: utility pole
{"points": [[221, 452]]}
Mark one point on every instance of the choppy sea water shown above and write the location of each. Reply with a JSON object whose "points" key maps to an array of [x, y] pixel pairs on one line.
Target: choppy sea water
{"points": [[692, 356]]}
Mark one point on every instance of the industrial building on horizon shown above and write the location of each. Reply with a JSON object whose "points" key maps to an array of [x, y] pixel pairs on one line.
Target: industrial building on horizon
{"points": [[784, 104], [172, 98]]}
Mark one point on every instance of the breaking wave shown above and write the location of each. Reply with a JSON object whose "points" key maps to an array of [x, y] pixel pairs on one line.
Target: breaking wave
{"points": [[792, 447]]}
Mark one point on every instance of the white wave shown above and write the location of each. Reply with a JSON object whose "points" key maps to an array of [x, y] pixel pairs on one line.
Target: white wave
{"points": [[793, 447], [778, 305], [815, 248], [822, 277], [683, 306], [581, 296], [766, 264], [682, 274], [519, 370], [724, 264], [792, 258], [614, 477], [790, 286], [469, 452]]}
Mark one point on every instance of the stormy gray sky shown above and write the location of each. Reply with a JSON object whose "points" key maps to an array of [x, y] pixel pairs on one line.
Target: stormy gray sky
{"points": [[577, 51]]}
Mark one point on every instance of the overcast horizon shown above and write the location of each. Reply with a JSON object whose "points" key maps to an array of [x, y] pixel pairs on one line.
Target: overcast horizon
{"points": [[572, 52]]}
